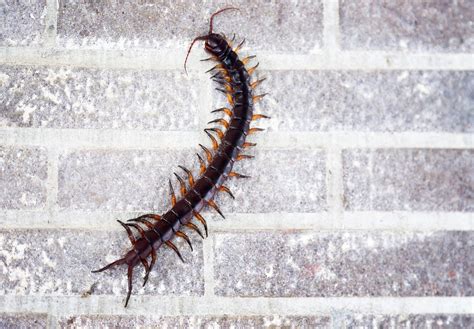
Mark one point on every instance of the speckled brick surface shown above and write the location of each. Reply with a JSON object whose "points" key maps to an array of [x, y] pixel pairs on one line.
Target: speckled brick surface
{"points": [[277, 26], [416, 25], [445, 321], [409, 179], [294, 182], [224, 322], [119, 180], [23, 321], [97, 98], [344, 264], [369, 101], [23, 174], [137, 180], [59, 263], [22, 22]]}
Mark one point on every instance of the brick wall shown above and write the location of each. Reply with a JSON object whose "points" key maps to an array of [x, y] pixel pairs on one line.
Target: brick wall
{"points": [[359, 211]]}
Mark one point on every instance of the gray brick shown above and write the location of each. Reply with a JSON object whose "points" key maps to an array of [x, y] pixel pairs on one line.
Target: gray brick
{"points": [[369, 101], [357, 263], [22, 22], [96, 98], [119, 180], [273, 321], [416, 25], [23, 173], [409, 179], [23, 321], [138, 180], [283, 180], [409, 321], [59, 263], [281, 26]]}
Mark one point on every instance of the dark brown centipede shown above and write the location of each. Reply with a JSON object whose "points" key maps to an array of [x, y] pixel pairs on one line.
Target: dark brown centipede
{"points": [[154, 230]]}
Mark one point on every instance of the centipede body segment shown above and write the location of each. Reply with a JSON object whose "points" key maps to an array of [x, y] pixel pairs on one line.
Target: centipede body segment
{"points": [[228, 140]]}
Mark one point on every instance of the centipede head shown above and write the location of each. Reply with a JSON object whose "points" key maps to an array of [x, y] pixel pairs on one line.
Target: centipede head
{"points": [[210, 38]]}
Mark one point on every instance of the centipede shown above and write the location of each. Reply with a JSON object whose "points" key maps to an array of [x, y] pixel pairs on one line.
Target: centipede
{"points": [[236, 78]]}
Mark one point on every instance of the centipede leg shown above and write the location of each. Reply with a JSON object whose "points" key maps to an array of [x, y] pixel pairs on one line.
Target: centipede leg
{"points": [[152, 263], [106, 267], [130, 275], [201, 219]]}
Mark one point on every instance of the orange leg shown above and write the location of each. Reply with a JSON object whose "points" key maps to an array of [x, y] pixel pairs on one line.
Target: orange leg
{"points": [[172, 246], [201, 219]]}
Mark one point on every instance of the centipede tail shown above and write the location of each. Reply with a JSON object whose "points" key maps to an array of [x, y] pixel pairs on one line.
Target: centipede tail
{"points": [[228, 138]]}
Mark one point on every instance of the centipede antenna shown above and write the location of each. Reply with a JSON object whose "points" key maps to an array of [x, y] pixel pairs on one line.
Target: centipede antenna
{"points": [[211, 21], [202, 37]]}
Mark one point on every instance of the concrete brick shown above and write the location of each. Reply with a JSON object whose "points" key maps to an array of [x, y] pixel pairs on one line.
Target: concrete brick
{"points": [[409, 321], [23, 321], [119, 180], [59, 263], [273, 321], [281, 180], [22, 22], [331, 264], [409, 179], [23, 173], [369, 101], [33, 96], [138, 180], [282, 26], [416, 25]]}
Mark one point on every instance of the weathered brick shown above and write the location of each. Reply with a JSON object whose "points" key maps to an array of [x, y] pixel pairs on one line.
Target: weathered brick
{"points": [[409, 179], [138, 180], [357, 263], [282, 26], [408, 321], [59, 263], [22, 22], [281, 180], [23, 321], [369, 101], [274, 321], [416, 25], [119, 180], [97, 98], [23, 173]]}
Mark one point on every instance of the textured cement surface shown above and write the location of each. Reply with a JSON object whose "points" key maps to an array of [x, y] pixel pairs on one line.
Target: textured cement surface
{"points": [[288, 26], [358, 212], [20, 320], [59, 263], [416, 25], [408, 321], [344, 264], [22, 22], [196, 322], [23, 174], [93, 98], [409, 179], [385, 101]]}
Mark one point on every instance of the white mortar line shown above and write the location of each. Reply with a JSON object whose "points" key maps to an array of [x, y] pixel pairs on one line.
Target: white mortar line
{"points": [[235, 306], [51, 23], [331, 33], [401, 221], [148, 139], [172, 59]]}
